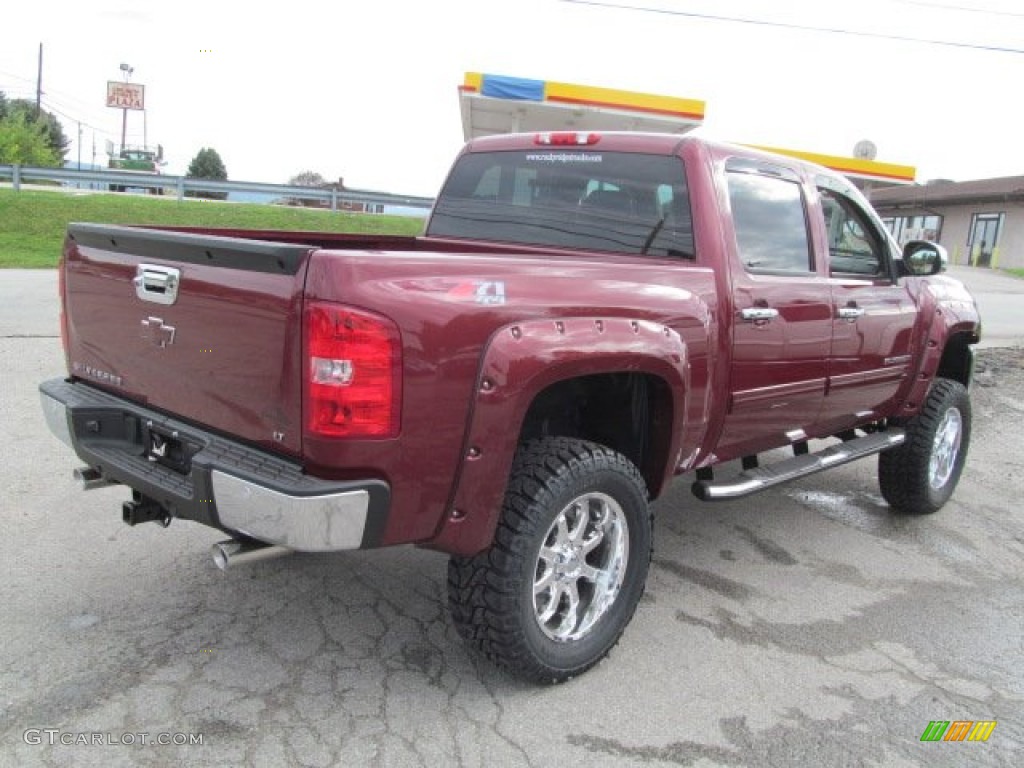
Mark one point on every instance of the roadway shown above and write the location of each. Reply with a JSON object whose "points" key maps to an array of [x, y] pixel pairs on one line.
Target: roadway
{"points": [[806, 626]]}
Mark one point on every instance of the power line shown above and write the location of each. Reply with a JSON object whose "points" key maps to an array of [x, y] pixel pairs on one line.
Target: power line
{"points": [[18, 95], [78, 103], [68, 101], [50, 107], [803, 27], [64, 111], [16, 77], [58, 109], [51, 91], [987, 11]]}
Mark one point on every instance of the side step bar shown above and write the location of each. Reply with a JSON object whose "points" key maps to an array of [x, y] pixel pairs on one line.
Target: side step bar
{"points": [[754, 480]]}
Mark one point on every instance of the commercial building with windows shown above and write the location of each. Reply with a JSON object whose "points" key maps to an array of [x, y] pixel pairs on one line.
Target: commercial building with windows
{"points": [[980, 223]]}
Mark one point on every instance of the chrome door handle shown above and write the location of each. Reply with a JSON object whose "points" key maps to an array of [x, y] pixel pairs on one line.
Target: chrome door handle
{"points": [[759, 314], [849, 313], [157, 284]]}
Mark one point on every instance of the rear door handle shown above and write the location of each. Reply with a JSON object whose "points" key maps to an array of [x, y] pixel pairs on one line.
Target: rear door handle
{"points": [[759, 314], [849, 313]]}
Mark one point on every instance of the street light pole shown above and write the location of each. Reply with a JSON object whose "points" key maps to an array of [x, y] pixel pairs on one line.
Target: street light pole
{"points": [[124, 111]]}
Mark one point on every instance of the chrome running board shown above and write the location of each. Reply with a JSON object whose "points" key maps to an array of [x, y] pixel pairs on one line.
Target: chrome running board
{"points": [[753, 480]]}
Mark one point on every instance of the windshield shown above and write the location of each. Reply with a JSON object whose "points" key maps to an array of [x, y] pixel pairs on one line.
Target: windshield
{"points": [[569, 198]]}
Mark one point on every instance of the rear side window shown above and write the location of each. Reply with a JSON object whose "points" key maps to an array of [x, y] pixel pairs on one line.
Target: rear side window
{"points": [[771, 224], [568, 198]]}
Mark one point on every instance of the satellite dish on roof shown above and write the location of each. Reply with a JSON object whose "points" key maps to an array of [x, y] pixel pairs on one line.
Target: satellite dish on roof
{"points": [[865, 150]]}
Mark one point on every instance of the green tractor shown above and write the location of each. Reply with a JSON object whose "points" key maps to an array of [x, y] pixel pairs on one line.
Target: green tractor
{"points": [[145, 161]]}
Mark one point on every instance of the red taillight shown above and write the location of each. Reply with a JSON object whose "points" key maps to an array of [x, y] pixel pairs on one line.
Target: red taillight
{"points": [[353, 372], [566, 139]]}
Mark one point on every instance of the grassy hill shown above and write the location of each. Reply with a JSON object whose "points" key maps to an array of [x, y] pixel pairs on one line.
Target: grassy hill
{"points": [[32, 223]]}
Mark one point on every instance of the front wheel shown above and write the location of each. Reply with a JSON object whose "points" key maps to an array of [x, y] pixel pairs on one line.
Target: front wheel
{"points": [[919, 476], [567, 567]]}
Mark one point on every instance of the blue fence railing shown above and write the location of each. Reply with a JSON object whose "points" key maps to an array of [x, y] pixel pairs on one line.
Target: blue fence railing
{"points": [[179, 185]]}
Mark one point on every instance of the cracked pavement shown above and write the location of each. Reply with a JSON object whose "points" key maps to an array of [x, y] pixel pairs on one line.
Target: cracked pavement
{"points": [[804, 626]]}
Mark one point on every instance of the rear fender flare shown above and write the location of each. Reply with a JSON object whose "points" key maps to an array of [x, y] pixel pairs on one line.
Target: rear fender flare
{"points": [[522, 360]]}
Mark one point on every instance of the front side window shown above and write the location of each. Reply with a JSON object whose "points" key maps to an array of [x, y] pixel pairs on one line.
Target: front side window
{"points": [[569, 198], [770, 223], [854, 246]]}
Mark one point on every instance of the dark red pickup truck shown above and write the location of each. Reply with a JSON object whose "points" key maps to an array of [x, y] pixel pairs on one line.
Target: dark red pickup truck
{"points": [[587, 316]]}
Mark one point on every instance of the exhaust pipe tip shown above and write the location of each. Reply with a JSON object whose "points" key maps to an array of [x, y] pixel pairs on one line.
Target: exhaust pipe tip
{"points": [[222, 552], [90, 478], [238, 552]]}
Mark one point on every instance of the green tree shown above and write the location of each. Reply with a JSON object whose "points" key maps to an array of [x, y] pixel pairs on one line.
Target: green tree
{"points": [[25, 142], [207, 165], [52, 128], [307, 179]]}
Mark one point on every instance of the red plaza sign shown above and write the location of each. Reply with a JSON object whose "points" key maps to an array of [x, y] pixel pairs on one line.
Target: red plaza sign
{"points": [[126, 95]]}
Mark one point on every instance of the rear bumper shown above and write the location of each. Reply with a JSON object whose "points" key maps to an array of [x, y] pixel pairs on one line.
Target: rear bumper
{"points": [[219, 482]]}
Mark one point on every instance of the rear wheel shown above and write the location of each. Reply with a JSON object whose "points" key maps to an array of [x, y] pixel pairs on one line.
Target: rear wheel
{"points": [[921, 475], [567, 568]]}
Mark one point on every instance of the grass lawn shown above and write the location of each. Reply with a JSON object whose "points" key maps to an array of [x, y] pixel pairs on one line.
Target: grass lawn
{"points": [[32, 223], [1015, 272]]}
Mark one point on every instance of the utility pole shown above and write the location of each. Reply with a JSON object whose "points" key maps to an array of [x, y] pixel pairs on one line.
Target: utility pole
{"points": [[79, 145], [39, 84]]}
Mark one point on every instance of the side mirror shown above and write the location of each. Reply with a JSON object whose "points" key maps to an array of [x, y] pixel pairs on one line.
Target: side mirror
{"points": [[922, 258]]}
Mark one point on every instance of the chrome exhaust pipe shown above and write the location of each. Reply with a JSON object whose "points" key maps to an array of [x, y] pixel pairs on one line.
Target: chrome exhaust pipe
{"points": [[90, 479], [237, 552]]}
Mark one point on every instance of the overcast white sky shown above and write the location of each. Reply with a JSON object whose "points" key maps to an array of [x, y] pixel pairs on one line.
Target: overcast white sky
{"points": [[368, 90]]}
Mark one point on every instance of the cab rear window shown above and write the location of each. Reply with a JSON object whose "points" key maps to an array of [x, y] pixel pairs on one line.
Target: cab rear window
{"points": [[569, 198]]}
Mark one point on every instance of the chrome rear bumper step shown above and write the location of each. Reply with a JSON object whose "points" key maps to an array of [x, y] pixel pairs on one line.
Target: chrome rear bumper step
{"points": [[754, 480]]}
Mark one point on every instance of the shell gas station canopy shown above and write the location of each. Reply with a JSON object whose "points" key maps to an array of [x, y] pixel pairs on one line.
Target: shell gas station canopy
{"points": [[493, 104]]}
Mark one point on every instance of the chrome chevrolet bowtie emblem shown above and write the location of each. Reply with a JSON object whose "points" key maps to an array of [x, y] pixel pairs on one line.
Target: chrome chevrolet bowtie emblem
{"points": [[161, 335]]}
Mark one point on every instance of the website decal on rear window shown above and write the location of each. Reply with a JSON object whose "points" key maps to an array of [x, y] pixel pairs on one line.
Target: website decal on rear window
{"points": [[565, 157]]}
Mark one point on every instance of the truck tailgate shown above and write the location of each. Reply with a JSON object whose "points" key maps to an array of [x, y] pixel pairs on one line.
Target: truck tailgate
{"points": [[207, 328]]}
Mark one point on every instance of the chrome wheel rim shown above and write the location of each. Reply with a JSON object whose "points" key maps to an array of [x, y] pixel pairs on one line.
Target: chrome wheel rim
{"points": [[580, 567], [945, 448]]}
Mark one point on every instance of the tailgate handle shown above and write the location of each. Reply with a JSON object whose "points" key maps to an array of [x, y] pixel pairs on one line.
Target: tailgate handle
{"points": [[157, 284]]}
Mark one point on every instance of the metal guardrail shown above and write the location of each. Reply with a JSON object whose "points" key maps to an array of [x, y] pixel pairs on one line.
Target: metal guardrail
{"points": [[181, 184]]}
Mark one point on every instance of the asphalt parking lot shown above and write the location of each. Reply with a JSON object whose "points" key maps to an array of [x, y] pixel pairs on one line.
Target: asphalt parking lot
{"points": [[806, 626]]}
